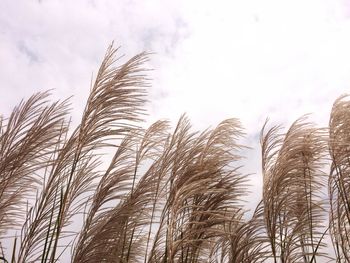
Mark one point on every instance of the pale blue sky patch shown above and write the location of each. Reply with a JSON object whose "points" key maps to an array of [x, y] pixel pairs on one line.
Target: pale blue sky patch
{"points": [[27, 51]]}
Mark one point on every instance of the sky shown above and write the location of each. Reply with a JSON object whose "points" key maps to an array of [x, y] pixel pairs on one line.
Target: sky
{"points": [[248, 59]]}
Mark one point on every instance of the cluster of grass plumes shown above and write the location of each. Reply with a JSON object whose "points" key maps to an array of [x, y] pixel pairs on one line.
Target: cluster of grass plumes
{"points": [[165, 196]]}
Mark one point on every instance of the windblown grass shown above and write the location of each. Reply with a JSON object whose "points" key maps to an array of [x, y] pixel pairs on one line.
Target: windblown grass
{"points": [[166, 196]]}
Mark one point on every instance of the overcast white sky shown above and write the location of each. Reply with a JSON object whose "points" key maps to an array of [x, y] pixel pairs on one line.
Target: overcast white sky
{"points": [[248, 59]]}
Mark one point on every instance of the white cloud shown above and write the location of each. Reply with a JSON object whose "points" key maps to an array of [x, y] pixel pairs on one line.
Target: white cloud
{"points": [[258, 59], [58, 44]]}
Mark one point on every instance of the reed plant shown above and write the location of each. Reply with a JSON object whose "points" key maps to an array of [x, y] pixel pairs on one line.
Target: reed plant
{"points": [[166, 195]]}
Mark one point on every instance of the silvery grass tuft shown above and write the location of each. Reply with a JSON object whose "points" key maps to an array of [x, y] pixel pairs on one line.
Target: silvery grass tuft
{"points": [[166, 195]]}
